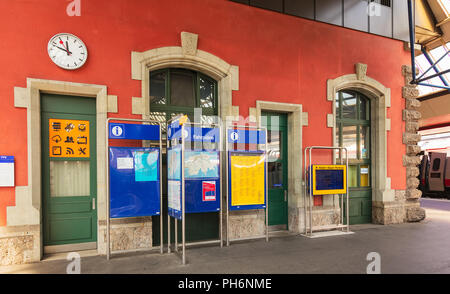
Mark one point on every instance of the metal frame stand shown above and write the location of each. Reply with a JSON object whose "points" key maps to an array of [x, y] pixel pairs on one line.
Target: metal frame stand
{"points": [[183, 195], [234, 127], [345, 229], [108, 212]]}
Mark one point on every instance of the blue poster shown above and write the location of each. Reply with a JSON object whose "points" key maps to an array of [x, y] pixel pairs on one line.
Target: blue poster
{"points": [[146, 166]]}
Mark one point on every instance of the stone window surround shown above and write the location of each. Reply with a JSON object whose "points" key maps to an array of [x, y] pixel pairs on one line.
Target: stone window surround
{"points": [[28, 209], [189, 57], [380, 99]]}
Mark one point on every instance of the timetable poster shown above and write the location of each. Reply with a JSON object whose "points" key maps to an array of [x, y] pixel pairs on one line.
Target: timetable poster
{"points": [[247, 179]]}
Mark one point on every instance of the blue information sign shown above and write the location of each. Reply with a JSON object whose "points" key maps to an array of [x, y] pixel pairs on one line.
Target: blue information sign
{"points": [[133, 131], [194, 134], [246, 136]]}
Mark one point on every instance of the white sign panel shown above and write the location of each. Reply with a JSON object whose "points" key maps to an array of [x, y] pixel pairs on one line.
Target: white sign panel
{"points": [[125, 163], [174, 194], [6, 171]]}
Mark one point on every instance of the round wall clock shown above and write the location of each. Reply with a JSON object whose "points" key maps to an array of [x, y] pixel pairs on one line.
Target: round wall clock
{"points": [[67, 51]]}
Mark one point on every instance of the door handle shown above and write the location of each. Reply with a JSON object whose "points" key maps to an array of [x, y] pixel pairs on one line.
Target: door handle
{"points": [[93, 203], [285, 195]]}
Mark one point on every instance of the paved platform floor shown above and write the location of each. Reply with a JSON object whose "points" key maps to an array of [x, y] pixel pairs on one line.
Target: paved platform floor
{"points": [[405, 248]]}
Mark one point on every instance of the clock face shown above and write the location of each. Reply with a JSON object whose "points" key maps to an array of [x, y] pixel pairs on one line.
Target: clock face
{"points": [[67, 51]]}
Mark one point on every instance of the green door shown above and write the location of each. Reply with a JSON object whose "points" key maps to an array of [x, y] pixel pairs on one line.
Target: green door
{"points": [[69, 170], [276, 124], [353, 132]]}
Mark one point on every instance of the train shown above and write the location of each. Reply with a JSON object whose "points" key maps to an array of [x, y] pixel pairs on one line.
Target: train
{"points": [[434, 174]]}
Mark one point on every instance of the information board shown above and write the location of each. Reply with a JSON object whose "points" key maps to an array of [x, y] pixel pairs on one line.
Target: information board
{"points": [[247, 176], [134, 181], [329, 179]]}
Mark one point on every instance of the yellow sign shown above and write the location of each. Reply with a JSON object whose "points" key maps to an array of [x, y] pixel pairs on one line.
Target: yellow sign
{"points": [[183, 119], [68, 138], [329, 179], [247, 180]]}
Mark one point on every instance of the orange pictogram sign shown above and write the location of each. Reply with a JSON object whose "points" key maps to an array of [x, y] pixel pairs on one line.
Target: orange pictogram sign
{"points": [[68, 138]]}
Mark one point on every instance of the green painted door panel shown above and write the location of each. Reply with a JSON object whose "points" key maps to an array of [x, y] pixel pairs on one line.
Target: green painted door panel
{"points": [[68, 219], [69, 229], [276, 124], [360, 209]]}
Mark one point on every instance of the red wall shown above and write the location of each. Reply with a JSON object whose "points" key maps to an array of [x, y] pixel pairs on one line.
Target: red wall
{"points": [[280, 58]]}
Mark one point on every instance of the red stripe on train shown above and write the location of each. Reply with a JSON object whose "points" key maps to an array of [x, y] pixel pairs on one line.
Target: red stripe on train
{"points": [[447, 182]]}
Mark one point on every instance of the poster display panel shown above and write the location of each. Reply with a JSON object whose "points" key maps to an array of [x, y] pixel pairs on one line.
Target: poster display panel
{"points": [[134, 181], [329, 179], [247, 180]]}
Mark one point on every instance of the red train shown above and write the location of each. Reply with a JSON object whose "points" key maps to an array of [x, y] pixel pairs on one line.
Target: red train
{"points": [[434, 175]]}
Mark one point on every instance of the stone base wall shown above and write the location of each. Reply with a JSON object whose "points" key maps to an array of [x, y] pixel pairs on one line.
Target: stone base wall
{"points": [[323, 216], [127, 234], [296, 220], [247, 223], [392, 212], [20, 244]]}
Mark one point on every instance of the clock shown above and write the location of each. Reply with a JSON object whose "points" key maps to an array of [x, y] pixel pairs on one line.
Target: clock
{"points": [[67, 51]]}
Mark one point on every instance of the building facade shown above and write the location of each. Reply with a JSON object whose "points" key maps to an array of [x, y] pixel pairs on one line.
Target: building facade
{"points": [[325, 84]]}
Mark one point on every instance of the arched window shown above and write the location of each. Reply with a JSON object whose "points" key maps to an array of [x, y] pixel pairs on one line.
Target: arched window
{"points": [[175, 90]]}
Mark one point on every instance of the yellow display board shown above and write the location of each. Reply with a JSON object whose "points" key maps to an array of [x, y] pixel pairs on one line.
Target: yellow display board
{"points": [[247, 179], [68, 138], [329, 179]]}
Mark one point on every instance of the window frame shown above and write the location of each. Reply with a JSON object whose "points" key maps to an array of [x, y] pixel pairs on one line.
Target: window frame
{"points": [[358, 123], [168, 107]]}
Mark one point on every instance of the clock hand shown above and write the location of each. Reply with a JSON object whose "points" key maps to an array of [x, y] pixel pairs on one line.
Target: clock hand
{"points": [[63, 49], [67, 47]]}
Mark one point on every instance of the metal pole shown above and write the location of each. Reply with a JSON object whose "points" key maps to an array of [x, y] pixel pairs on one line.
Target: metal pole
{"points": [[310, 193], [168, 215], [305, 190], [183, 220], [439, 74], [220, 186], [433, 65], [434, 86], [266, 192], [227, 180], [176, 233], [161, 218], [168, 231], [347, 206], [108, 250], [412, 40]]}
